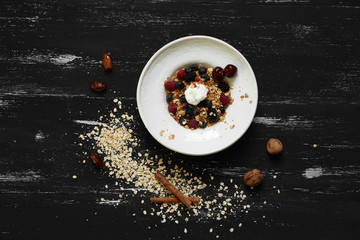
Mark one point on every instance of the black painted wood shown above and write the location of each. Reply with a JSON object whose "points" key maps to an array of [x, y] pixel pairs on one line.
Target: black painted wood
{"points": [[305, 55]]}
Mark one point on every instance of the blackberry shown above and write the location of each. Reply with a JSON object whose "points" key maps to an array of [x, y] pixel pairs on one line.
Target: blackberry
{"points": [[190, 77], [182, 121], [194, 67], [224, 87], [207, 104], [205, 77], [203, 125], [222, 109], [180, 85], [182, 99], [188, 69], [169, 97], [202, 70], [189, 108], [187, 116], [196, 112]]}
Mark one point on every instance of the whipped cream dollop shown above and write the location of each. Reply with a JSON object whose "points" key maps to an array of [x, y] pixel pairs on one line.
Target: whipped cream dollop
{"points": [[195, 93]]}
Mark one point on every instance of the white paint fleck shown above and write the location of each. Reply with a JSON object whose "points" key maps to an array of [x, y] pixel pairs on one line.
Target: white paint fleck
{"points": [[40, 136], [89, 122], [63, 59], [26, 176], [313, 172]]}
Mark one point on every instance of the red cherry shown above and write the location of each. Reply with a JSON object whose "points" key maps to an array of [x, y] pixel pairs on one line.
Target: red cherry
{"points": [[218, 73], [224, 99], [193, 123], [230, 70], [181, 74], [172, 107], [170, 85]]}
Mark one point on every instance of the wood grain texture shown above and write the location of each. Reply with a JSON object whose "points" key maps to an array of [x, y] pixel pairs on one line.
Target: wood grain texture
{"points": [[305, 55]]}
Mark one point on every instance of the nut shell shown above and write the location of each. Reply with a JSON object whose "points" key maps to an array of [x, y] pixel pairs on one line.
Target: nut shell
{"points": [[253, 178], [97, 160], [98, 86], [274, 146], [107, 61]]}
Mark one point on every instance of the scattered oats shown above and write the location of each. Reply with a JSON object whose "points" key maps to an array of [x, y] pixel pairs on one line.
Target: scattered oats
{"points": [[315, 145], [217, 236], [106, 186], [176, 221], [211, 230], [231, 229], [231, 180], [185, 230], [74, 176], [274, 186], [274, 176], [220, 194], [211, 177], [144, 212], [142, 201], [278, 191], [102, 199], [265, 202], [115, 100], [264, 217]]}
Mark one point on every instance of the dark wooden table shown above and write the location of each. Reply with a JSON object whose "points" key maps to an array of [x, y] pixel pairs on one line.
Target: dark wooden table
{"points": [[305, 55]]}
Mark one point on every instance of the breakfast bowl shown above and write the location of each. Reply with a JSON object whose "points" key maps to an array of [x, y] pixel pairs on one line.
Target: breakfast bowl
{"points": [[153, 107]]}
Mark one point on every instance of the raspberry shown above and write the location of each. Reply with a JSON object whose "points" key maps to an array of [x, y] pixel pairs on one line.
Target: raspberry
{"points": [[170, 85], [181, 74], [193, 123], [172, 107], [224, 99], [197, 79]]}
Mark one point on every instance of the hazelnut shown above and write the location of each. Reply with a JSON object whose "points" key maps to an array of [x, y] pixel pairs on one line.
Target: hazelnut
{"points": [[253, 178], [274, 146]]}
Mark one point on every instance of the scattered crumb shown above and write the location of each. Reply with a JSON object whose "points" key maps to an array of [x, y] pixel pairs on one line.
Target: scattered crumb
{"points": [[246, 95], [250, 101], [232, 126], [172, 136], [162, 132]]}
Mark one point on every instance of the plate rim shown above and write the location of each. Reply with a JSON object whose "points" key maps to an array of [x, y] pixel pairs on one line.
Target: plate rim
{"points": [[154, 56]]}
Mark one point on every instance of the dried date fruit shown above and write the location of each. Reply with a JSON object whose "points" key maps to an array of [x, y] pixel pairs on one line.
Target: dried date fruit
{"points": [[107, 61], [253, 178], [97, 160], [98, 86], [274, 146]]}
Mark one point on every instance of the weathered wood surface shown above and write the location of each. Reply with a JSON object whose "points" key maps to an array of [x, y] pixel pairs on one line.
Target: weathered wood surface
{"points": [[305, 55]]}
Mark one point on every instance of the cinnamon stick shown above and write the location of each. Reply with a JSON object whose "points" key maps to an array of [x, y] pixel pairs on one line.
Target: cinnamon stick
{"points": [[172, 199], [173, 189]]}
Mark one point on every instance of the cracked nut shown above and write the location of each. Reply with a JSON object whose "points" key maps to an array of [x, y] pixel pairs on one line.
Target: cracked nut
{"points": [[274, 146], [107, 61], [253, 178]]}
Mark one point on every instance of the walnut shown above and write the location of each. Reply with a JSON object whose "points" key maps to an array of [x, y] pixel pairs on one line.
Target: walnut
{"points": [[253, 178], [274, 146]]}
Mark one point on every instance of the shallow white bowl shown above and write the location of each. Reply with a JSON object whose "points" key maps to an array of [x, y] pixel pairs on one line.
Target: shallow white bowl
{"points": [[152, 104]]}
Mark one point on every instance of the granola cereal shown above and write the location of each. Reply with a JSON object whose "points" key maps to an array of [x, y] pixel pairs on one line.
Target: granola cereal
{"points": [[197, 97]]}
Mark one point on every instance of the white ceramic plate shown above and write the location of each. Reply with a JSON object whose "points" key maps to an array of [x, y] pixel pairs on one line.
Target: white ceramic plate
{"points": [[152, 104]]}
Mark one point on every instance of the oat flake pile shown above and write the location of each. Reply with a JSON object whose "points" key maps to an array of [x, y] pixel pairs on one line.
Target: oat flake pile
{"points": [[113, 139]]}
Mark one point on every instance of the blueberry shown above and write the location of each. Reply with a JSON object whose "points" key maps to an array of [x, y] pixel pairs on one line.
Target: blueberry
{"points": [[196, 112], [183, 99], [190, 77], [187, 116], [223, 86], [194, 67], [169, 97], [202, 70], [179, 85], [189, 108], [222, 109], [203, 125], [188, 70], [215, 118], [207, 104], [201, 104], [182, 121], [205, 77], [211, 112]]}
